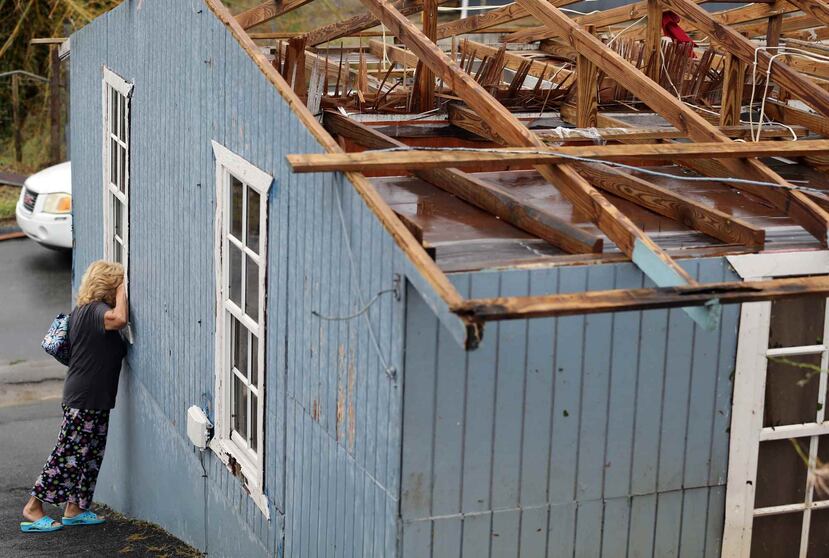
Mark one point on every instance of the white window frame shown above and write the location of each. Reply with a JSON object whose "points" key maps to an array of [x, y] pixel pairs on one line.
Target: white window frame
{"points": [[747, 429], [225, 443], [112, 81]]}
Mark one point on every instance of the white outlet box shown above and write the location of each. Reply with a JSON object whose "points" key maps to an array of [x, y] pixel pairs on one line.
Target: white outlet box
{"points": [[198, 427]]}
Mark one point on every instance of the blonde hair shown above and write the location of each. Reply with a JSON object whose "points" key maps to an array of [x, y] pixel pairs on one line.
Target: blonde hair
{"points": [[100, 282]]}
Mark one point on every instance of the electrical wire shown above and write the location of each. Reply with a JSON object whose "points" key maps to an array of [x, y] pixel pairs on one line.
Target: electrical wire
{"points": [[643, 170], [356, 314], [783, 51], [610, 42], [390, 370]]}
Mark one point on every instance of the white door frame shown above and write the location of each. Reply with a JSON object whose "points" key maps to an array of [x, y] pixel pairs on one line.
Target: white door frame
{"points": [[749, 394]]}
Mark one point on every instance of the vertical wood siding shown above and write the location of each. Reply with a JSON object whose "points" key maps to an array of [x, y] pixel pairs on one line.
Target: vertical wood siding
{"points": [[599, 435], [332, 414]]}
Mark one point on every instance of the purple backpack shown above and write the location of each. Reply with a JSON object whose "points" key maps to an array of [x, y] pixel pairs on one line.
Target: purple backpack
{"points": [[56, 342]]}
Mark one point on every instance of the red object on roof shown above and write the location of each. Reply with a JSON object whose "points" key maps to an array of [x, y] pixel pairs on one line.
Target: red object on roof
{"points": [[671, 28]]}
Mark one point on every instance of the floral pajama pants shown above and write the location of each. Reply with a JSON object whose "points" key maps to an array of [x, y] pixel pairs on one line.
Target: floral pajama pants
{"points": [[71, 472]]}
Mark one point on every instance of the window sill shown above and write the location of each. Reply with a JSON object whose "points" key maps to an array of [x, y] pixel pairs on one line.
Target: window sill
{"points": [[238, 464]]}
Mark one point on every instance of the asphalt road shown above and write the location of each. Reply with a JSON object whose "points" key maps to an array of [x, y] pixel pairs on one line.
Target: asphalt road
{"points": [[35, 285]]}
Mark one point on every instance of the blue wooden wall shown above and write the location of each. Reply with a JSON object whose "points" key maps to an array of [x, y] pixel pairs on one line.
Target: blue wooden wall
{"points": [[599, 435], [332, 413]]}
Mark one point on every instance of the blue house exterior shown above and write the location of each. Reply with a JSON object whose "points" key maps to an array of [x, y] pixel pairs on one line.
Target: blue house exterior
{"points": [[598, 435]]}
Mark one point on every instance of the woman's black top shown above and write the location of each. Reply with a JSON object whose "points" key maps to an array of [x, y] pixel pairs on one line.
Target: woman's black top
{"points": [[95, 364]]}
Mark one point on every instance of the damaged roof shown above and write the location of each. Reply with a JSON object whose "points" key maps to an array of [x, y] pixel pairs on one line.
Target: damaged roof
{"points": [[531, 134]]}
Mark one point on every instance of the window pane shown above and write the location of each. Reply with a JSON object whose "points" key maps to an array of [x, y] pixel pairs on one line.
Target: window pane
{"points": [[254, 430], [253, 220], [822, 471], [254, 360], [122, 107], [113, 162], [776, 536], [791, 390], [123, 166], [113, 105], [796, 322], [252, 291], [236, 201], [239, 349], [235, 273], [239, 412], [117, 252], [117, 212], [819, 534], [781, 474]]}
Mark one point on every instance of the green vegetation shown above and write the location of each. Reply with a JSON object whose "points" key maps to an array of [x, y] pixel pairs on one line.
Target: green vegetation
{"points": [[8, 201], [24, 20]]}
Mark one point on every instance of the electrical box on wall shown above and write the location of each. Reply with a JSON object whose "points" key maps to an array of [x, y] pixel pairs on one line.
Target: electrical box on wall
{"points": [[199, 427]]}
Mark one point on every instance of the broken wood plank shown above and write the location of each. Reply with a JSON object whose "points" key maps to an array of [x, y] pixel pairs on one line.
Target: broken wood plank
{"points": [[495, 200], [802, 88], [618, 300], [424, 158]]}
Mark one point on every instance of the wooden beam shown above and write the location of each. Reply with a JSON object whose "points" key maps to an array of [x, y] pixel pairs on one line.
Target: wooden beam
{"points": [[480, 21], [620, 229], [394, 52], [802, 88], [795, 116], [734, 82], [796, 205], [775, 27], [818, 9], [356, 24], [544, 155], [17, 119], [619, 300], [587, 92], [653, 40], [484, 195], [267, 11], [55, 104], [674, 205]]}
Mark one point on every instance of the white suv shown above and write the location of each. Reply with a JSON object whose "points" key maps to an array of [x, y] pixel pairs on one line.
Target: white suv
{"points": [[44, 211]]}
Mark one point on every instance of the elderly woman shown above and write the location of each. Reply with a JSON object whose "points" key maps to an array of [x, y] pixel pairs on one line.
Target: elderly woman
{"points": [[89, 392]]}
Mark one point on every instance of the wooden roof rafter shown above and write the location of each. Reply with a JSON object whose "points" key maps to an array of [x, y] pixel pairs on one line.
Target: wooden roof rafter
{"points": [[645, 253], [797, 205]]}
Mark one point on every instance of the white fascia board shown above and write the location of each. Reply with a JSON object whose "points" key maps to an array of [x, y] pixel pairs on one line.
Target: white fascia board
{"points": [[242, 169], [780, 264]]}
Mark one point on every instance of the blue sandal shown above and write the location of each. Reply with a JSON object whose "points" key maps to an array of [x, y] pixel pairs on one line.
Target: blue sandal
{"points": [[43, 525], [84, 518]]}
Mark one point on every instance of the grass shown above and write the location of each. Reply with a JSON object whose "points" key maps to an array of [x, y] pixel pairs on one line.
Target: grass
{"points": [[8, 201]]}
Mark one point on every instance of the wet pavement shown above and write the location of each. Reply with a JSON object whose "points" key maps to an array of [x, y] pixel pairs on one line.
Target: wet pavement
{"points": [[35, 285]]}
